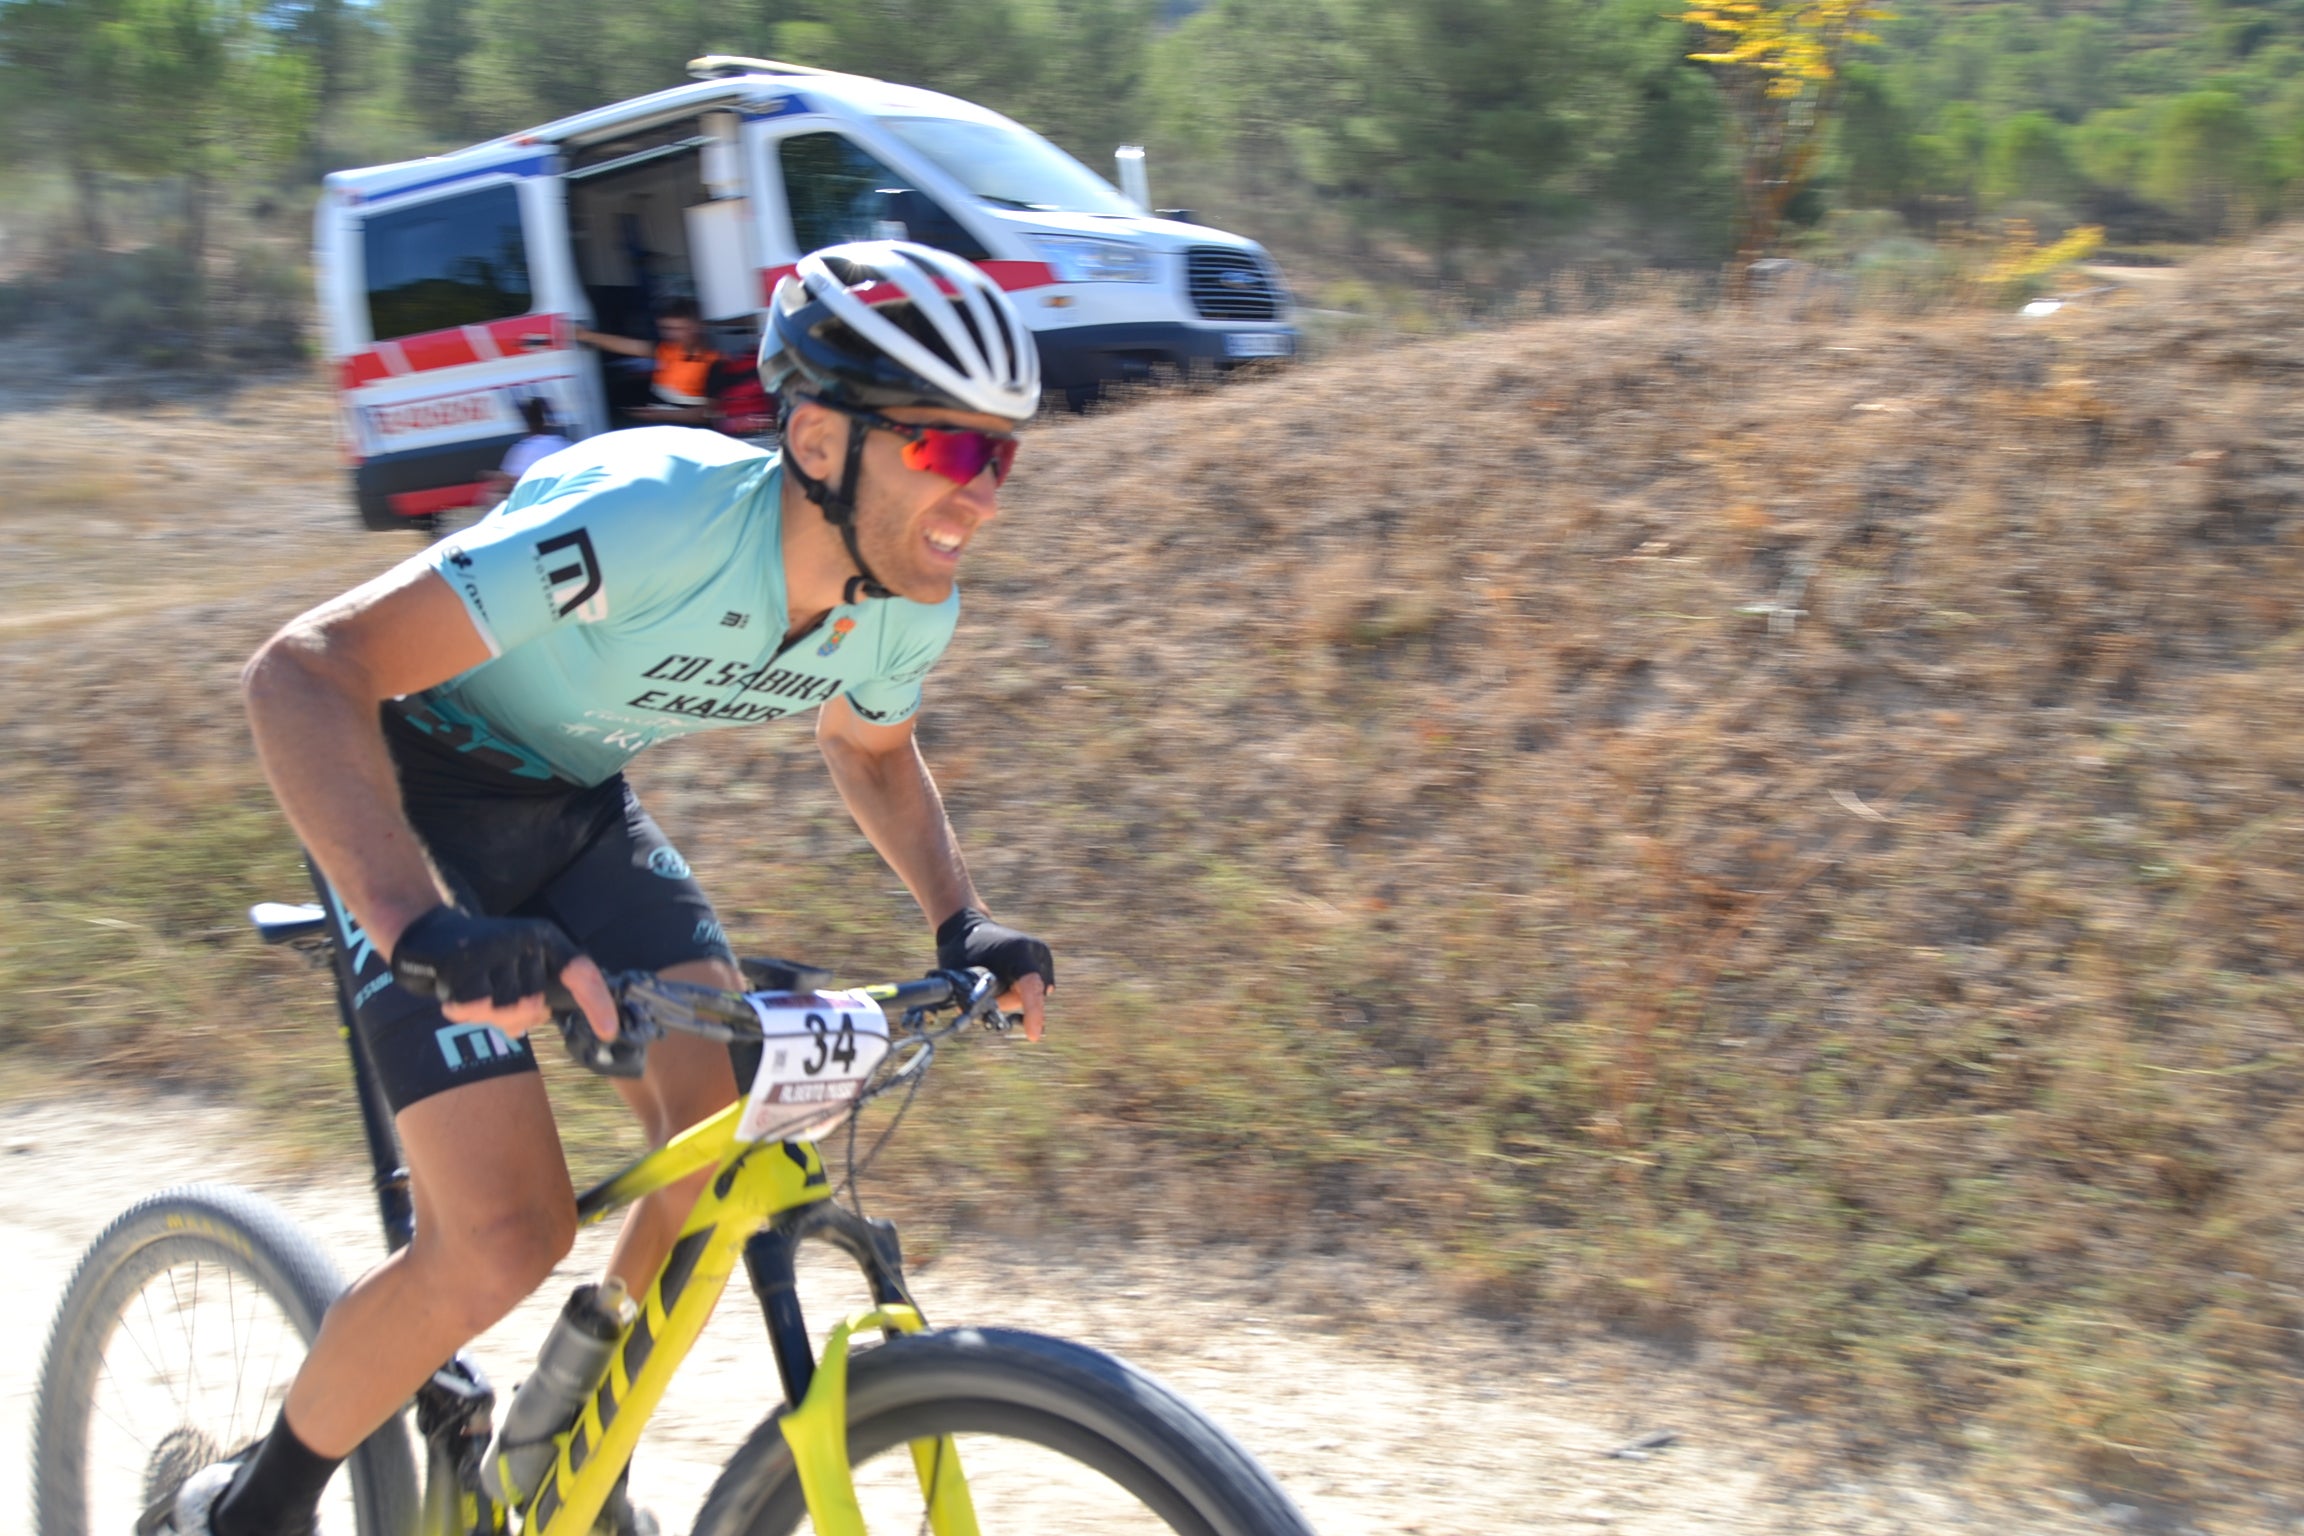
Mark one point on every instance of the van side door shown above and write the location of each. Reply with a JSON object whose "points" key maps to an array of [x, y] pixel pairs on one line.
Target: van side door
{"points": [[454, 297]]}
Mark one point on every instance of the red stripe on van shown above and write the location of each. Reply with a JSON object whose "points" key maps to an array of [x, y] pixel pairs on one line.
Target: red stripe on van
{"points": [[1011, 276], [440, 499], [453, 348]]}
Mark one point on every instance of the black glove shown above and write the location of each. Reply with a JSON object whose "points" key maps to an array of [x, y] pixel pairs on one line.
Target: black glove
{"points": [[460, 957], [969, 938]]}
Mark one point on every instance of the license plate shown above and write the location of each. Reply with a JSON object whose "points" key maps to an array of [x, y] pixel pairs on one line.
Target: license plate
{"points": [[1258, 344]]}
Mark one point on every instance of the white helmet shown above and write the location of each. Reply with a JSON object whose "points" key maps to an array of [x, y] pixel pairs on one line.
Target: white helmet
{"points": [[883, 323]]}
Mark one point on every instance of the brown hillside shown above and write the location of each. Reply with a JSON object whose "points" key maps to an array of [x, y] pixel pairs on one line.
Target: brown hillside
{"points": [[1901, 985], [1784, 834]]}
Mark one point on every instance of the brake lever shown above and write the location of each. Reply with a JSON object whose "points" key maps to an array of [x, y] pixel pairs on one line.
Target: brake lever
{"points": [[983, 1001], [686, 1007], [624, 1056]]}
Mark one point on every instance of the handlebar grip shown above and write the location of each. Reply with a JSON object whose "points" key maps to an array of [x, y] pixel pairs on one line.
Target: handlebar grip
{"points": [[624, 1056]]}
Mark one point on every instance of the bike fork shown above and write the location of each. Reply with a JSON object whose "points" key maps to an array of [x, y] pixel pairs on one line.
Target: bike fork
{"points": [[768, 1260], [815, 1392]]}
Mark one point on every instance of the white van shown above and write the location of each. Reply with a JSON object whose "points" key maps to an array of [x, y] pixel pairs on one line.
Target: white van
{"points": [[449, 286]]}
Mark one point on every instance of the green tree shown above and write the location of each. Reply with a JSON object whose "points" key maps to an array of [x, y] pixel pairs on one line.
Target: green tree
{"points": [[435, 37], [2114, 146], [207, 94], [1251, 90], [2030, 161], [1947, 160], [1882, 165], [2210, 164], [529, 63], [1459, 130], [2080, 66], [1657, 138], [1084, 67], [972, 48], [200, 92], [56, 57]]}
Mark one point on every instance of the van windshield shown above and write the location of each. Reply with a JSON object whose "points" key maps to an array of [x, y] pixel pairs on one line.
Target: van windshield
{"points": [[1008, 167]]}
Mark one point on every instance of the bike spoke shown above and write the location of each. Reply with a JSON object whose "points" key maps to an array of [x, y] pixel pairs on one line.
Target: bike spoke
{"points": [[192, 1341], [159, 1373], [232, 1314], [105, 1374]]}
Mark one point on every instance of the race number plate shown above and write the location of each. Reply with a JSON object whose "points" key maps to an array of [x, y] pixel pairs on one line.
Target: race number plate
{"points": [[816, 1049]]}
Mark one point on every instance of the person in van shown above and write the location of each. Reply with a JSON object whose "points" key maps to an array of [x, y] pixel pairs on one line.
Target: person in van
{"points": [[543, 437], [682, 383]]}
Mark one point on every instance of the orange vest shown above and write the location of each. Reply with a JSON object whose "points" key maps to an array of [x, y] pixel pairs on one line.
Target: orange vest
{"points": [[686, 376]]}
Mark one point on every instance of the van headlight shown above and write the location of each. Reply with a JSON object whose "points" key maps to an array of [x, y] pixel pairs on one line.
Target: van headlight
{"points": [[1083, 259]]}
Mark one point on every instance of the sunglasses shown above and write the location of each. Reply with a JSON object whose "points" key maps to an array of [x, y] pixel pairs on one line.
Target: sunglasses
{"points": [[959, 454]]}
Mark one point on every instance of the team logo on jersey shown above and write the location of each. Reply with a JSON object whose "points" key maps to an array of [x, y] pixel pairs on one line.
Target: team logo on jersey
{"points": [[841, 628], [666, 861], [571, 576]]}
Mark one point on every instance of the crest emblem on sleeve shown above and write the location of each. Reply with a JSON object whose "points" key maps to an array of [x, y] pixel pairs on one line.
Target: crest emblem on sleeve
{"points": [[841, 628]]}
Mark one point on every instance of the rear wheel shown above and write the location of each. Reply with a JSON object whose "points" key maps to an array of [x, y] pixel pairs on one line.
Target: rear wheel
{"points": [[175, 1345], [1053, 1437]]}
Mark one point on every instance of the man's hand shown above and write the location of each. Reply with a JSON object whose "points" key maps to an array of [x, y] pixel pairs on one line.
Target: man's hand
{"points": [[495, 970], [1020, 963]]}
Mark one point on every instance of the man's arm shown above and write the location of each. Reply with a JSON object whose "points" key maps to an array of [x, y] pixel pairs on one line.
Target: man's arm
{"points": [[888, 789], [629, 346], [313, 691]]}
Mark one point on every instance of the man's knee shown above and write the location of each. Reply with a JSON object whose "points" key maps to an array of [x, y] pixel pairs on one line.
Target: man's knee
{"points": [[494, 1266]]}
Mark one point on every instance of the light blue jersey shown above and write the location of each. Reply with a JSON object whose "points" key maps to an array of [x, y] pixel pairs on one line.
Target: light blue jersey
{"points": [[632, 590]]}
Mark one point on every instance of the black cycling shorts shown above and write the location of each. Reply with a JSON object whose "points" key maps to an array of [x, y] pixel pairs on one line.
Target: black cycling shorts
{"points": [[590, 859]]}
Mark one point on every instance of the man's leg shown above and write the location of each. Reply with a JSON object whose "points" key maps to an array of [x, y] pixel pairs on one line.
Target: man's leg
{"points": [[688, 1080], [494, 1213]]}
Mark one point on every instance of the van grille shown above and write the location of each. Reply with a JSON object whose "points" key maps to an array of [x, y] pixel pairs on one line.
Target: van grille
{"points": [[1230, 285]]}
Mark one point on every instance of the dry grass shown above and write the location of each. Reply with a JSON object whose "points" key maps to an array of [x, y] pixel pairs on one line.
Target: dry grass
{"points": [[1777, 835]]}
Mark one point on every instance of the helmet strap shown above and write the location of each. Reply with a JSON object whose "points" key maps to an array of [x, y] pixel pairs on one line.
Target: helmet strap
{"points": [[838, 504]]}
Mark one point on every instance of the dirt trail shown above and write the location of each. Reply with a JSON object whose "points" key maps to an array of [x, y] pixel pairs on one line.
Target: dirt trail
{"points": [[1431, 1424]]}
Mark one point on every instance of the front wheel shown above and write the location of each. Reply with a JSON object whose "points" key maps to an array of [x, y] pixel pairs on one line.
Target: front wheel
{"points": [[178, 1337], [1053, 1437]]}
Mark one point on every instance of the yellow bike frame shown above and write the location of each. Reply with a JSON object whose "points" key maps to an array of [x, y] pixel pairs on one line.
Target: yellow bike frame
{"points": [[753, 1183]]}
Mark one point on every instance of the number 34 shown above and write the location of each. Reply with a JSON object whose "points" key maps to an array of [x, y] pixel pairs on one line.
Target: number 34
{"points": [[831, 1046]]}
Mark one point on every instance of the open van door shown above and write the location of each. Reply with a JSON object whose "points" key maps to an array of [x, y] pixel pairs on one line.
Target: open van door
{"points": [[450, 298]]}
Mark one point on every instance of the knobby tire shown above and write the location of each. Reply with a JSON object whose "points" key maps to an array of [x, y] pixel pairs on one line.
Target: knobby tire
{"points": [[1085, 1405], [208, 1224]]}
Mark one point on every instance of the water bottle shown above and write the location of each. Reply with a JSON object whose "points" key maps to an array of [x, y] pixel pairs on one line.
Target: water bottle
{"points": [[568, 1368]]}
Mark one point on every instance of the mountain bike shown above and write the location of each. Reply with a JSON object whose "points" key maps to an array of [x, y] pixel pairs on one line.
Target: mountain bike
{"points": [[184, 1322]]}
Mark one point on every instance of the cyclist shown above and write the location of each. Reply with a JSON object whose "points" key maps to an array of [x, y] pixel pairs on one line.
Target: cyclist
{"points": [[447, 741]]}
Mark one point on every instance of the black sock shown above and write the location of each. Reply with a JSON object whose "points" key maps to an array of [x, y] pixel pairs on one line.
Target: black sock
{"points": [[278, 1491]]}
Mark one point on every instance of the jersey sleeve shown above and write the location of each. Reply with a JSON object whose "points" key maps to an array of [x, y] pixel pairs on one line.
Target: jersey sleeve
{"points": [[567, 549], [916, 636]]}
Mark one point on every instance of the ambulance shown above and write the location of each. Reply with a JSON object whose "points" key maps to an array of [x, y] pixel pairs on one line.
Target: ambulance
{"points": [[449, 287]]}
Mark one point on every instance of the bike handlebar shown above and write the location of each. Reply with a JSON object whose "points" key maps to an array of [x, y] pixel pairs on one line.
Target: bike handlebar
{"points": [[649, 1007]]}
